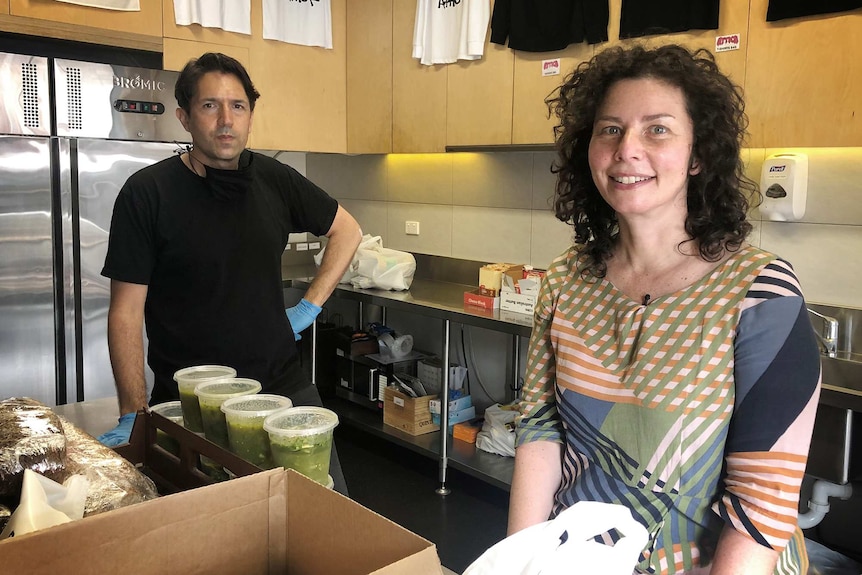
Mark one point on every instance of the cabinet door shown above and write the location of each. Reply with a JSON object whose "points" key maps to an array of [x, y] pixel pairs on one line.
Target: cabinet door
{"points": [[732, 19], [804, 80], [141, 30], [531, 123], [303, 91], [369, 77], [215, 36], [418, 92], [4, 7], [178, 52], [479, 99]]}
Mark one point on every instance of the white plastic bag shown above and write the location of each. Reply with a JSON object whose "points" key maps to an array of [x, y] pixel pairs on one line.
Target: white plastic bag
{"points": [[565, 545], [498, 430], [45, 503], [374, 266]]}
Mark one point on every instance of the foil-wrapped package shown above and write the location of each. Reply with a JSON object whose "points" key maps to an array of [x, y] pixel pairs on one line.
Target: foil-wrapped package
{"points": [[114, 482], [31, 437]]}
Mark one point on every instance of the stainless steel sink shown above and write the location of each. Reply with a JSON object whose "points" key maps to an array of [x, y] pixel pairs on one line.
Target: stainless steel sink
{"points": [[836, 446]]}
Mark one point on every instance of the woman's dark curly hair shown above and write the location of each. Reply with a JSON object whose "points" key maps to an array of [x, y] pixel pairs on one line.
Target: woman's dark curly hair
{"points": [[718, 196]]}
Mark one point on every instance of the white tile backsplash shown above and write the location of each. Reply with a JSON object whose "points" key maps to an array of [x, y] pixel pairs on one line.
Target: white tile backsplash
{"points": [[826, 259], [549, 238], [372, 216], [462, 202], [435, 227], [491, 234], [498, 180]]}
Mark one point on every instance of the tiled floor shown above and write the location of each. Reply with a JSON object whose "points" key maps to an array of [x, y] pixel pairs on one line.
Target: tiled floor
{"points": [[400, 484]]}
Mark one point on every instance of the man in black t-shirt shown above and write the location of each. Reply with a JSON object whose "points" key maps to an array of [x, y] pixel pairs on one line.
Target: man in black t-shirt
{"points": [[195, 252]]}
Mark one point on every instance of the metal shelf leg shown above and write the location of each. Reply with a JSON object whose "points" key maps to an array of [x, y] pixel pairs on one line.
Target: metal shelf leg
{"points": [[444, 413]]}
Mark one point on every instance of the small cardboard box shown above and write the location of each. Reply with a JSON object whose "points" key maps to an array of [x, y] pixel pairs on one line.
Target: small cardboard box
{"points": [[462, 402], [409, 414], [456, 416], [267, 523], [491, 276], [467, 430], [476, 299]]}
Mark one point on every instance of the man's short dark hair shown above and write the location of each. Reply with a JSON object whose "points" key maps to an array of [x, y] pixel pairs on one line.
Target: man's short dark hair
{"points": [[187, 83]]}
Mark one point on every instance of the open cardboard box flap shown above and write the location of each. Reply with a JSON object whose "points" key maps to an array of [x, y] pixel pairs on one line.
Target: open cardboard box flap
{"points": [[268, 523]]}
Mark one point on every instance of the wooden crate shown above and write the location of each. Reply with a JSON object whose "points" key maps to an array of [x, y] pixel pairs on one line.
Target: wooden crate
{"points": [[409, 414]]}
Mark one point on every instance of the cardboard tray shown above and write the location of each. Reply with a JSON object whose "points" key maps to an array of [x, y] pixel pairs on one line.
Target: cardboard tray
{"points": [[169, 472], [268, 523]]}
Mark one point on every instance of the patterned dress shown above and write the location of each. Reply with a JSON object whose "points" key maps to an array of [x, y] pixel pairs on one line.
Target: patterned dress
{"points": [[695, 410]]}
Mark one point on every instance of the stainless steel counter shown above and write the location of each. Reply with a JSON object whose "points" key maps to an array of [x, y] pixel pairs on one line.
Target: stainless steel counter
{"points": [[95, 416], [441, 300]]}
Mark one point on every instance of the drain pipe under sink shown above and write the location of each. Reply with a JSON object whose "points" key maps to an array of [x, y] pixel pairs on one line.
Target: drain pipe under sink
{"points": [[818, 505]]}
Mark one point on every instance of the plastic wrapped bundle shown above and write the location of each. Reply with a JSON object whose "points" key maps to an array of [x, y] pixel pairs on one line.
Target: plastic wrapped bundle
{"points": [[31, 437], [114, 482]]}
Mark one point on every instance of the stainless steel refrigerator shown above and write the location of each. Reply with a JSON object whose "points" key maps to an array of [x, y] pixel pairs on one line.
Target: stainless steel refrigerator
{"points": [[70, 134]]}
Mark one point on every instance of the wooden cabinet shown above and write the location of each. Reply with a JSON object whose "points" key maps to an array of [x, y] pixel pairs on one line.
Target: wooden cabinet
{"points": [[212, 36], [804, 80], [479, 99], [418, 92], [141, 30], [531, 123], [303, 88], [178, 52], [369, 77]]}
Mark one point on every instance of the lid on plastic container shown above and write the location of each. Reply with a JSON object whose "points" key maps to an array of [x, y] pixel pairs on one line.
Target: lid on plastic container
{"points": [[306, 420], [224, 388], [171, 410], [201, 372], [257, 405]]}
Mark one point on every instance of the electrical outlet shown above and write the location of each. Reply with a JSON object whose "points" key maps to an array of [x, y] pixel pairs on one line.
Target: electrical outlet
{"points": [[411, 228]]}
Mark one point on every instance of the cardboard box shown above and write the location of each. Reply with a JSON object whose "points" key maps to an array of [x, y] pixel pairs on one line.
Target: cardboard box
{"points": [[476, 299], [519, 296], [454, 405], [455, 417], [267, 523], [491, 276], [409, 414], [467, 430]]}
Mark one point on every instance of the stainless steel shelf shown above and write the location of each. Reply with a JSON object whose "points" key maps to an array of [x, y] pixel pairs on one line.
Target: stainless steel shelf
{"points": [[488, 467]]}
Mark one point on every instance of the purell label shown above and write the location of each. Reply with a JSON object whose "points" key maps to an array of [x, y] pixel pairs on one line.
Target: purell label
{"points": [[728, 42], [551, 67]]}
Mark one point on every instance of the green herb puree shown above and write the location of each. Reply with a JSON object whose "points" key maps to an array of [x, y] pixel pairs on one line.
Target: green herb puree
{"points": [[191, 411], [249, 441], [308, 454]]}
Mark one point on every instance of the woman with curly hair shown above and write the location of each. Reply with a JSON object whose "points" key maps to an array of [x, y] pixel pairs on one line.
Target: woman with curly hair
{"points": [[672, 366]]}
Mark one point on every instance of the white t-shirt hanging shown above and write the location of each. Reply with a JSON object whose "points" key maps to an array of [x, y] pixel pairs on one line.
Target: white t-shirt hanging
{"points": [[450, 30], [126, 5], [305, 22], [230, 15]]}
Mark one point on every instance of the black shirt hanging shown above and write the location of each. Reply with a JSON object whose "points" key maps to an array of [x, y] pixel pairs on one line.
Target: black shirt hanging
{"points": [[781, 9], [639, 18], [549, 25]]}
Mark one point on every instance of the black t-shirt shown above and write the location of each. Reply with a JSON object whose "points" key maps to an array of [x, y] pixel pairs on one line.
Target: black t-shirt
{"points": [[639, 18], [213, 266], [781, 9], [549, 25]]}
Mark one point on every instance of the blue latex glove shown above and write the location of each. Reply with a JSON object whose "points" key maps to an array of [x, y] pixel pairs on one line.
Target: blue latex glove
{"points": [[301, 316], [120, 434]]}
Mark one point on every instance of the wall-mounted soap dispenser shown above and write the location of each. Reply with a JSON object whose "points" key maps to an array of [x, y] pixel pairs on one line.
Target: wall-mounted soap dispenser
{"points": [[784, 185]]}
